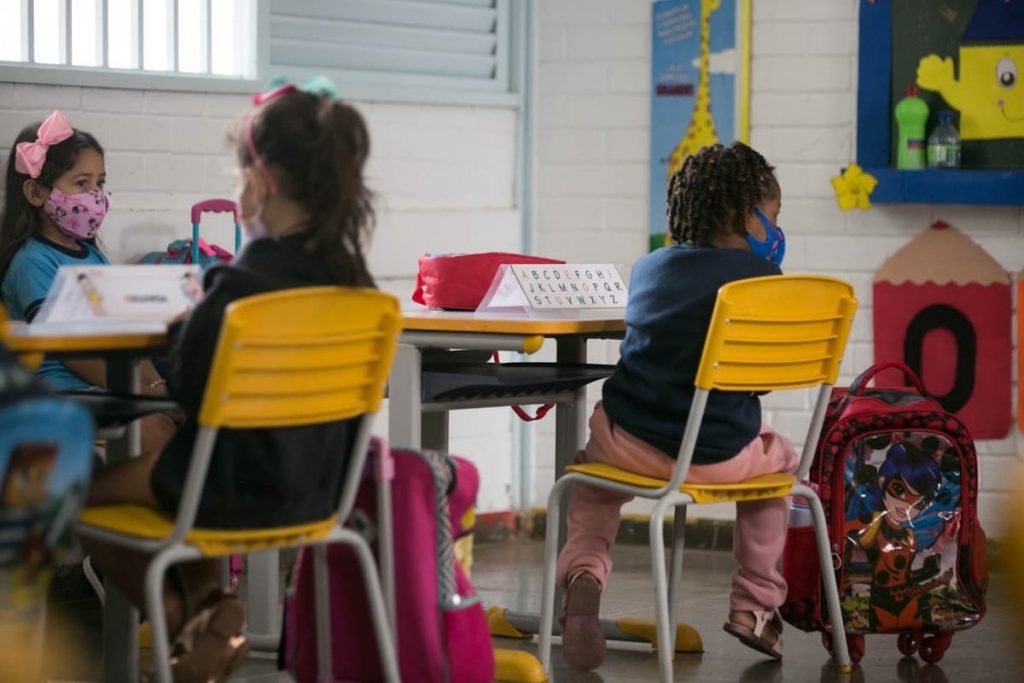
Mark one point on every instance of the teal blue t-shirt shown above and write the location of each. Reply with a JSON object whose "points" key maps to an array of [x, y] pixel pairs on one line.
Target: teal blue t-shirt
{"points": [[26, 284]]}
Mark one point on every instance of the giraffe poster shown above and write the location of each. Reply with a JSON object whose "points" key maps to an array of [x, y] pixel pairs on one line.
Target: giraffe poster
{"points": [[699, 87]]}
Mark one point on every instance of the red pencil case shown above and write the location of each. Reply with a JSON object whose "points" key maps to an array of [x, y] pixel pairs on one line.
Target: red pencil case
{"points": [[460, 281]]}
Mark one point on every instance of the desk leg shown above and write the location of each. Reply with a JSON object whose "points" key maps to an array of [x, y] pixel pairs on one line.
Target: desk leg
{"points": [[434, 434], [263, 600], [404, 398], [570, 418], [570, 430], [404, 431], [120, 618]]}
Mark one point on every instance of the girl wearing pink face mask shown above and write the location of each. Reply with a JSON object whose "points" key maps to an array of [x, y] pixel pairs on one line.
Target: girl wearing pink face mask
{"points": [[54, 205]]}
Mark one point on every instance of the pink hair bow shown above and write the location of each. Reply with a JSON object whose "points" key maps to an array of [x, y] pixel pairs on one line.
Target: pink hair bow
{"points": [[30, 156]]}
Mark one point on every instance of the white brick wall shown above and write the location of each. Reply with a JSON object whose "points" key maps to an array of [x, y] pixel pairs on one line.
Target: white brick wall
{"points": [[444, 179], [593, 118]]}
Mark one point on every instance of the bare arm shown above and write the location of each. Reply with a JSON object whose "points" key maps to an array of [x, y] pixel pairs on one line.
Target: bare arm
{"points": [[92, 371]]}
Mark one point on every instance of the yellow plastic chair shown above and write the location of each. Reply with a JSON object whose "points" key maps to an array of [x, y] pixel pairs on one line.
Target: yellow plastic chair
{"points": [[766, 334], [30, 360], [284, 359]]}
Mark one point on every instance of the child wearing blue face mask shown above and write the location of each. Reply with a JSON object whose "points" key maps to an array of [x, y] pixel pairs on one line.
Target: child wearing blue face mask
{"points": [[723, 205]]}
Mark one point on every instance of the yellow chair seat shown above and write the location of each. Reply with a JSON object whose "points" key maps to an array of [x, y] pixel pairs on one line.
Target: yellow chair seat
{"points": [[145, 522], [758, 488]]}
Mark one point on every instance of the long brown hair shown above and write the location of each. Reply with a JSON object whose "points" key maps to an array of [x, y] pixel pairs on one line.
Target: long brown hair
{"points": [[316, 149], [20, 220]]}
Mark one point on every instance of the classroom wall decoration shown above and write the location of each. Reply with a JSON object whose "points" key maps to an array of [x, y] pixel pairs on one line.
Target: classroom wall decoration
{"points": [[1020, 361], [700, 87], [988, 93], [968, 56], [942, 305]]}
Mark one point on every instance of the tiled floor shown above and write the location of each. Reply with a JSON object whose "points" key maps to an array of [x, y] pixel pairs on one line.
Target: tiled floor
{"points": [[509, 574]]}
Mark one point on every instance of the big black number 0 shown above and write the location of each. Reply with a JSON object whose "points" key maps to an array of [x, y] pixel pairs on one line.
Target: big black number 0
{"points": [[943, 317]]}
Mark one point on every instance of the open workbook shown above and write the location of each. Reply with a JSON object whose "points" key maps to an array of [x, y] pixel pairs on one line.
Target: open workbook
{"points": [[88, 299]]}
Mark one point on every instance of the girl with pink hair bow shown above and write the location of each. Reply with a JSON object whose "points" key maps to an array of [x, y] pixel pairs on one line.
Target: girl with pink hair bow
{"points": [[54, 205]]}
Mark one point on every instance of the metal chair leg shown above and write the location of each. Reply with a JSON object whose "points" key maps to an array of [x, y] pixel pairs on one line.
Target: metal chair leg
{"points": [[675, 571], [547, 600], [378, 611], [666, 639], [154, 591], [322, 591], [828, 577]]}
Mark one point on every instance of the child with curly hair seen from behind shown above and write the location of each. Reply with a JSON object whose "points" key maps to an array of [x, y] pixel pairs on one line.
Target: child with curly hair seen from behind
{"points": [[723, 207]]}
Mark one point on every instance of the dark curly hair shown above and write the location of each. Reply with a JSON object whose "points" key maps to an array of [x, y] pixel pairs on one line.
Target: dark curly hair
{"points": [[715, 190], [316, 148]]}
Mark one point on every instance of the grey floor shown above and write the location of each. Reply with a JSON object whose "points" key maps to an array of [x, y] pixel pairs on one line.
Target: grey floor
{"points": [[509, 574]]}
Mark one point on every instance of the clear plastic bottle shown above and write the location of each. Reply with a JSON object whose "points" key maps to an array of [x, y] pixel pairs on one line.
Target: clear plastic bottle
{"points": [[944, 143]]}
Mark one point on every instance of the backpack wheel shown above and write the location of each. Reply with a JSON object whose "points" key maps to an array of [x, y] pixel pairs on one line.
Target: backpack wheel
{"points": [[933, 648], [908, 643]]}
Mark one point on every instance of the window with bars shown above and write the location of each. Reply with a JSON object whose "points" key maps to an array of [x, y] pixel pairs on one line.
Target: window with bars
{"points": [[200, 39], [448, 51]]}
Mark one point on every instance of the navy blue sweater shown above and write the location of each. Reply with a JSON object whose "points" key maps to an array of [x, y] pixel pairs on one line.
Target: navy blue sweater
{"points": [[672, 294]]}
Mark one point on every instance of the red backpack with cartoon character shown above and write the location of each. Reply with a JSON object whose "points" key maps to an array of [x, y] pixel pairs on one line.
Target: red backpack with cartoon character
{"points": [[898, 479]]}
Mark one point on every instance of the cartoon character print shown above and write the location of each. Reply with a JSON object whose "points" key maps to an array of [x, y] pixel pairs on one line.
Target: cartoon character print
{"points": [[24, 517], [886, 555], [988, 92], [79, 216]]}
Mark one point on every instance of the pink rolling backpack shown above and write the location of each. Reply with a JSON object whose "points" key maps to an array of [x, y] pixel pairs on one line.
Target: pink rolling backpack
{"points": [[442, 630]]}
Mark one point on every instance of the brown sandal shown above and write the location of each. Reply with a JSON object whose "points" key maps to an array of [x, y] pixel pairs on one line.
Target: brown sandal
{"points": [[210, 646], [583, 642], [755, 638]]}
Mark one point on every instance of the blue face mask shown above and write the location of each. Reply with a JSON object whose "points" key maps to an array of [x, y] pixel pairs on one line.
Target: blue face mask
{"points": [[773, 247]]}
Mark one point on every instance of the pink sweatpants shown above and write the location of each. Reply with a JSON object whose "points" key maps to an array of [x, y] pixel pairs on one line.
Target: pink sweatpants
{"points": [[760, 532]]}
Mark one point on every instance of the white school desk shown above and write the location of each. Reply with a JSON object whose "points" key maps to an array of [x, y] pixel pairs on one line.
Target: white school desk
{"points": [[121, 347]]}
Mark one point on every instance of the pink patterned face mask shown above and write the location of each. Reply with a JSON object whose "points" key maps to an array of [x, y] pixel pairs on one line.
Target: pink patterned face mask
{"points": [[78, 216]]}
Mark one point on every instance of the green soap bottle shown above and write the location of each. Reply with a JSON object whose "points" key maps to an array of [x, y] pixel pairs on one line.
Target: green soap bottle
{"points": [[911, 117]]}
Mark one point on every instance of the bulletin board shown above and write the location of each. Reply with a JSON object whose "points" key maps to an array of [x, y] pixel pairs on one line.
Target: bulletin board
{"points": [[700, 87], [939, 28], [954, 50]]}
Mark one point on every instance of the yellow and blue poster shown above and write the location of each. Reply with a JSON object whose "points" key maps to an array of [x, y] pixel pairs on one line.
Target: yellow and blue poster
{"points": [[699, 87]]}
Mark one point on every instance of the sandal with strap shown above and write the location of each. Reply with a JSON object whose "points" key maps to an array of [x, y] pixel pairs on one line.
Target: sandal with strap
{"points": [[755, 638], [210, 647]]}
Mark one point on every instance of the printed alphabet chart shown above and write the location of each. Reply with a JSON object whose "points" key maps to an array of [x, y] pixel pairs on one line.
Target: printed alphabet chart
{"points": [[556, 287]]}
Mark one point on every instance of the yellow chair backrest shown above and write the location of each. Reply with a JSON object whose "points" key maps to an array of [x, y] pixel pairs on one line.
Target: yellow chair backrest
{"points": [[301, 356], [777, 332]]}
